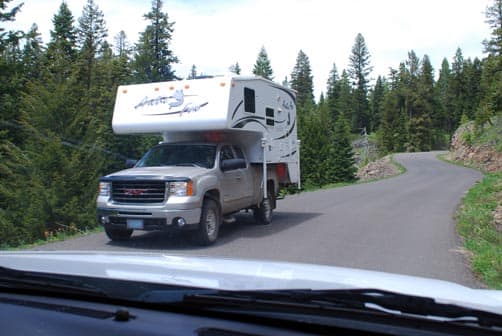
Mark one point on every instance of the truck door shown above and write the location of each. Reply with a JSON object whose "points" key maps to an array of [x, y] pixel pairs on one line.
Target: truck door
{"points": [[233, 184], [246, 188]]}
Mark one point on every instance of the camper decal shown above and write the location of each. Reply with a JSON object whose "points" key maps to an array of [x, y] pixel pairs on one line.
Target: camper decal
{"points": [[288, 105], [175, 102], [237, 108], [287, 91], [293, 153], [288, 133], [246, 120]]}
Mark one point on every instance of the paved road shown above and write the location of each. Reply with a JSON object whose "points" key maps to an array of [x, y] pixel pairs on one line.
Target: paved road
{"points": [[401, 225]]}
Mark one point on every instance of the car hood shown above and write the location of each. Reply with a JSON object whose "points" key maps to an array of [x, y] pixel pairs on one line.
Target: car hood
{"points": [[160, 172], [239, 274]]}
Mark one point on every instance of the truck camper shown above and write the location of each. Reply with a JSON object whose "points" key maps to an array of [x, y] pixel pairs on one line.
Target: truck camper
{"points": [[229, 143]]}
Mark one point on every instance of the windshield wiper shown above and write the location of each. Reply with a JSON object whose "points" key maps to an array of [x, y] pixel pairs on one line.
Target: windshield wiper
{"points": [[24, 280], [328, 301]]}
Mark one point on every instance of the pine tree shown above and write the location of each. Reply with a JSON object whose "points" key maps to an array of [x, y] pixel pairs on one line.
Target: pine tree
{"points": [[32, 53], [153, 59], [422, 101], [418, 91], [346, 96], [121, 44], [440, 119], [235, 68], [12, 79], [333, 93], [302, 82], [375, 101], [359, 70], [262, 66], [493, 46], [21, 208], [393, 136], [51, 104], [315, 129], [342, 160], [491, 78], [456, 89], [193, 72], [91, 35], [122, 60], [472, 87], [61, 49], [8, 37]]}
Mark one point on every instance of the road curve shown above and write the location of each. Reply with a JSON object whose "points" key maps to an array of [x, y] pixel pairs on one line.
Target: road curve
{"points": [[401, 225]]}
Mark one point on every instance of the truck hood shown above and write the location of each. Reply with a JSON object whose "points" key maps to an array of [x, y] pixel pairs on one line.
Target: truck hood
{"points": [[160, 172], [239, 274]]}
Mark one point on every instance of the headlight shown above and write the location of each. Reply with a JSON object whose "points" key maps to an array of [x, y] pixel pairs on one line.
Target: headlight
{"points": [[104, 188], [184, 188]]}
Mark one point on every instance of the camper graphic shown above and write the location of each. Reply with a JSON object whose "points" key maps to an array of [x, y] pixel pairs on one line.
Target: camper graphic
{"points": [[175, 104]]}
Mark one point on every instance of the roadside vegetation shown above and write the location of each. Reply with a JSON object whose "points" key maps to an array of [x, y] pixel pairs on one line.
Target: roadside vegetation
{"points": [[482, 235], [57, 96], [53, 236], [479, 218]]}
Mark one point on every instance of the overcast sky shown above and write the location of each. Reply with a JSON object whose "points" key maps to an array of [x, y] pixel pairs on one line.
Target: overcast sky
{"points": [[214, 34]]}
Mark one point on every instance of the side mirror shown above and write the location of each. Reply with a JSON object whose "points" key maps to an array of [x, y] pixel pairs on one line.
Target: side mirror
{"points": [[232, 164], [130, 163]]}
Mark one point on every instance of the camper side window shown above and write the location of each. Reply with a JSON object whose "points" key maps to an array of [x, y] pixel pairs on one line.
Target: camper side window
{"points": [[269, 113], [249, 100]]}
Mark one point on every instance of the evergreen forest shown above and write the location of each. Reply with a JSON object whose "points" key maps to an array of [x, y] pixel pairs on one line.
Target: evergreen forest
{"points": [[57, 97]]}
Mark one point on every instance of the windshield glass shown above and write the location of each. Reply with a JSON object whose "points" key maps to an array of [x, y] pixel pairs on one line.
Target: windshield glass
{"points": [[179, 155], [350, 134]]}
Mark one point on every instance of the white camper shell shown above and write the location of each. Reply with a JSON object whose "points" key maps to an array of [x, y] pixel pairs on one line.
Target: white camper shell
{"points": [[253, 112]]}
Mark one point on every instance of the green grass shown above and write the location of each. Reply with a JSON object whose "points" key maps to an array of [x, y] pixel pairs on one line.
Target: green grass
{"points": [[490, 134], [400, 167], [475, 224], [55, 237]]}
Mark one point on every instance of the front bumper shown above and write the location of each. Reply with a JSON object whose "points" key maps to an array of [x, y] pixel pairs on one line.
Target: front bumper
{"points": [[149, 219]]}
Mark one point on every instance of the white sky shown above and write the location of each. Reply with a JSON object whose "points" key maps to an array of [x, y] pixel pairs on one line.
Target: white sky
{"points": [[214, 34]]}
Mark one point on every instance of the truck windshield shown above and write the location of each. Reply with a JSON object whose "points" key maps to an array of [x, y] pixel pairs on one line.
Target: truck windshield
{"points": [[179, 155]]}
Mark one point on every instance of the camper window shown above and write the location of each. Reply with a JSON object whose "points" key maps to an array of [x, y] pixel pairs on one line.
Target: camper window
{"points": [[249, 100], [269, 112]]}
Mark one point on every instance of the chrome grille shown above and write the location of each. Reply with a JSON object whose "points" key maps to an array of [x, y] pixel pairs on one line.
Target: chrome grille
{"points": [[138, 191]]}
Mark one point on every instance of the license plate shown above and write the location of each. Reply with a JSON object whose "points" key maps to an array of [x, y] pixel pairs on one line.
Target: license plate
{"points": [[134, 223]]}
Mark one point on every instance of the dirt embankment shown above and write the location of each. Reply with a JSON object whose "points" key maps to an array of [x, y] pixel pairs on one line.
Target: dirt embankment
{"points": [[482, 156], [378, 169]]}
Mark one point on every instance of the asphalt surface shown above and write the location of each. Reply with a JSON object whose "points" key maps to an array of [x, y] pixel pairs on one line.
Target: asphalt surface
{"points": [[401, 225]]}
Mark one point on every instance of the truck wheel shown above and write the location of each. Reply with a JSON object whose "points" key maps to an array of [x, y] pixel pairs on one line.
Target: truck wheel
{"points": [[118, 234], [209, 225], [263, 213]]}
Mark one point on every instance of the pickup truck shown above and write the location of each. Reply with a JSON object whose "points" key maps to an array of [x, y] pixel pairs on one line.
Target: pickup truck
{"points": [[186, 186]]}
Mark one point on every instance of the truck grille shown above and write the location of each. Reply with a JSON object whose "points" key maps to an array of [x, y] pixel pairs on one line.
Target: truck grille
{"points": [[138, 191]]}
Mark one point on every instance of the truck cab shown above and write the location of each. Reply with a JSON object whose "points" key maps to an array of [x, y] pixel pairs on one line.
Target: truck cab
{"points": [[182, 186]]}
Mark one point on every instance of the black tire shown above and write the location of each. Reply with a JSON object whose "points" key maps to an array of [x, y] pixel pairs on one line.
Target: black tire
{"points": [[264, 212], [118, 234], [209, 225]]}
